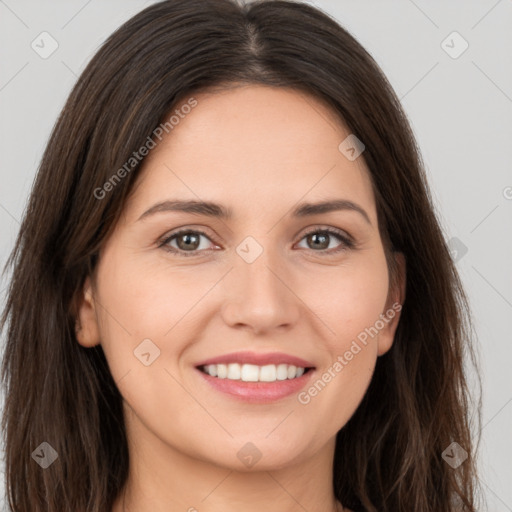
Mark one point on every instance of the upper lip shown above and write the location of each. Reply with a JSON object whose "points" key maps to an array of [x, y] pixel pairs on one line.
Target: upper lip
{"points": [[258, 359]]}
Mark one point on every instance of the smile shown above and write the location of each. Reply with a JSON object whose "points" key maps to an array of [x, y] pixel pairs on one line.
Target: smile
{"points": [[254, 373], [256, 377]]}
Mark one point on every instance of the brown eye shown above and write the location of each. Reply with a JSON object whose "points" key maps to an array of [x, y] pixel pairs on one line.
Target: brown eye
{"points": [[188, 243], [319, 240]]}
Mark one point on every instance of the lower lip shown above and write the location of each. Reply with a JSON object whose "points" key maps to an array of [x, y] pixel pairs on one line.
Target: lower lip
{"points": [[258, 392]]}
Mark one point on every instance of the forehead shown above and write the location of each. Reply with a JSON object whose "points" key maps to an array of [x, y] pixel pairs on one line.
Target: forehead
{"points": [[252, 146]]}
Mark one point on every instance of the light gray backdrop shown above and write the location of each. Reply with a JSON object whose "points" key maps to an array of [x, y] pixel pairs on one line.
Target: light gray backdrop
{"points": [[450, 63]]}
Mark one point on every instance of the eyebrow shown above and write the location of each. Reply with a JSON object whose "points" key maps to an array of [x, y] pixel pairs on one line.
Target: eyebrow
{"points": [[211, 209]]}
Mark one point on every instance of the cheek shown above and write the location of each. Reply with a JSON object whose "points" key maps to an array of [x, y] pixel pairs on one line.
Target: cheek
{"points": [[140, 302], [351, 298], [148, 310], [350, 306]]}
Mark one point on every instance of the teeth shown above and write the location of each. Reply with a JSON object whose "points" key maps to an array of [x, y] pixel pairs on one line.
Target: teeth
{"points": [[222, 370], [268, 373], [234, 371], [249, 373], [282, 372], [254, 373], [291, 372], [212, 369]]}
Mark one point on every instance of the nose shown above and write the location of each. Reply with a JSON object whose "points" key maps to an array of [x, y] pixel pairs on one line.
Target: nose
{"points": [[261, 296]]}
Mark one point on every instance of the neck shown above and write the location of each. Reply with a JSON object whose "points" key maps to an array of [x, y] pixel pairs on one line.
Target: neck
{"points": [[163, 478]]}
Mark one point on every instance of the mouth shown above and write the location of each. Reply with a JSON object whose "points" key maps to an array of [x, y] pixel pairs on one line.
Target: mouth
{"points": [[256, 378]]}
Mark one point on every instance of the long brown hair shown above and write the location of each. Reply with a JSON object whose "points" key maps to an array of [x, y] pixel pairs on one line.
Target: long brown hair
{"points": [[389, 456]]}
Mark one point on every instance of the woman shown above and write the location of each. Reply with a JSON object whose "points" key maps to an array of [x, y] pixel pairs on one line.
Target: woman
{"points": [[230, 290]]}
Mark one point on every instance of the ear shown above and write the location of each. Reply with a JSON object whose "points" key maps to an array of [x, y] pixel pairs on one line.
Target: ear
{"points": [[391, 314], [87, 329]]}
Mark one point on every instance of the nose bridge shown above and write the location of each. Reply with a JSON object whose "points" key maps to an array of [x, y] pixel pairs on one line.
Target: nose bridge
{"points": [[259, 294]]}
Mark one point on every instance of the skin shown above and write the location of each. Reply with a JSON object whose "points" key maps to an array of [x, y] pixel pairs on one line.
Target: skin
{"points": [[257, 150]]}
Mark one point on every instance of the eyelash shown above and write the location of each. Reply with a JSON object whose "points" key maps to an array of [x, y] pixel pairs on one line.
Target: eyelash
{"points": [[347, 243]]}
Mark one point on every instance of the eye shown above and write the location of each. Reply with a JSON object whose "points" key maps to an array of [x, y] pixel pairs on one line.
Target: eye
{"points": [[188, 241], [321, 239]]}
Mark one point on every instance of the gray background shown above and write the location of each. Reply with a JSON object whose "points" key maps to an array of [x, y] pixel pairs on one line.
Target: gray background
{"points": [[460, 110]]}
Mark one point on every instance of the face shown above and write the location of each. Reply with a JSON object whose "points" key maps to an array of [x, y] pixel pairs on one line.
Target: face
{"points": [[257, 294]]}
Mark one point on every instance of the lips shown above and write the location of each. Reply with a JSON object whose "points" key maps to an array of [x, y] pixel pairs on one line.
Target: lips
{"points": [[238, 387]]}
